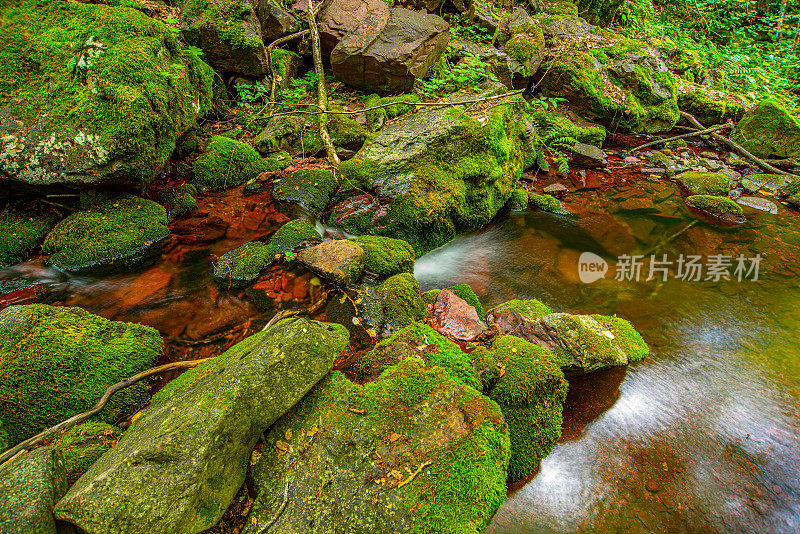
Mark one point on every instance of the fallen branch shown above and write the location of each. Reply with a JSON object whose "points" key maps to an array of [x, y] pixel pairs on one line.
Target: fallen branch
{"points": [[413, 475], [322, 93], [81, 417], [693, 133], [273, 44], [739, 149]]}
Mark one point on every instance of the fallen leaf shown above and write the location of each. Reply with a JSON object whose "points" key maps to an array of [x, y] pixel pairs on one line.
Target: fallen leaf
{"points": [[288, 434], [356, 410], [282, 445], [394, 436]]}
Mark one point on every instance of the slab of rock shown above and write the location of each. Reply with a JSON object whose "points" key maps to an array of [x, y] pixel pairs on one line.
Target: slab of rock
{"points": [[275, 20], [584, 155], [453, 317], [387, 55], [180, 464], [758, 203], [340, 17], [340, 261], [30, 484]]}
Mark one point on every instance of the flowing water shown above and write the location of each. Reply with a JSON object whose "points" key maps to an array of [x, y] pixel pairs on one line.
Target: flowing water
{"points": [[703, 435]]}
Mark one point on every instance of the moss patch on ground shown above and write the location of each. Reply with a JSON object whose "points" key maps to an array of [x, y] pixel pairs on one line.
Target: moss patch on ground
{"points": [[227, 163], [21, 233], [57, 362], [117, 234]]}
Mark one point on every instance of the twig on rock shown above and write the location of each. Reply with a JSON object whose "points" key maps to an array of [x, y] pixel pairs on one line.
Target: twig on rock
{"points": [[693, 133]]}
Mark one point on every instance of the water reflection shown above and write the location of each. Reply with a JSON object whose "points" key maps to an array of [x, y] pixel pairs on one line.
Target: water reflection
{"points": [[703, 436]]}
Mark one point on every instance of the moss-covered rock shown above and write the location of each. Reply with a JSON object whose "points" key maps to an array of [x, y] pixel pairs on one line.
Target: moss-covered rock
{"points": [[21, 233], [718, 207], [57, 362], [228, 32], [227, 163], [465, 292], [600, 12], [518, 200], [530, 389], [179, 200], [385, 256], [402, 301], [395, 107], [768, 129], [82, 445], [294, 234], [4, 443], [419, 340], [241, 267], [360, 445], [299, 134], [121, 233], [547, 203], [531, 309], [433, 174], [309, 188], [181, 463], [31, 484], [555, 129], [525, 49], [705, 183], [92, 95], [711, 107]]}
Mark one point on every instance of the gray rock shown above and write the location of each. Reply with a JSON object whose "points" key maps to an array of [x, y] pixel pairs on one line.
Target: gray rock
{"points": [[275, 21], [388, 55], [758, 203], [481, 14], [497, 60], [340, 17], [180, 464], [30, 484], [584, 155]]}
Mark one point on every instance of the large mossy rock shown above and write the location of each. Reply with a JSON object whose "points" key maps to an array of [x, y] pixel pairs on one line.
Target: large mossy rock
{"points": [[769, 130], [228, 32], [385, 256], [118, 234], [435, 173], [415, 451], [310, 189], [387, 54], [57, 362], [705, 183], [180, 464], [21, 233], [82, 445], [299, 134], [30, 484], [527, 383], [621, 84], [227, 163], [711, 106], [92, 95]]}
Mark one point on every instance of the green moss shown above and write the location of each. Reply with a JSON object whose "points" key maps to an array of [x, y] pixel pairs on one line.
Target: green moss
{"points": [[707, 110], [358, 173], [525, 380], [465, 292], [715, 204], [309, 188], [430, 296], [179, 200], [294, 234], [625, 336], [20, 235], [117, 234], [135, 99], [419, 340], [376, 118], [705, 183], [403, 300], [283, 62], [227, 163], [546, 203], [243, 265], [532, 309], [792, 188], [224, 19], [4, 443], [386, 256], [518, 200], [57, 362], [769, 130], [560, 8], [525, 43], [84, 444]]}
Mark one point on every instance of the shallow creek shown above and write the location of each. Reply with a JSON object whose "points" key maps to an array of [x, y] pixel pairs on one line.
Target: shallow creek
{"points": [[702, 436]]}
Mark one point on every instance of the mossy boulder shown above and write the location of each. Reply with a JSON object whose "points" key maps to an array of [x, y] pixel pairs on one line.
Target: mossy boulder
{"points": [[553, 128], [57, 362], [525, 49], [31, 484], [547, 203], [434, 173], [340, 261], [705, 183], [402, 301], [294, 234], [385, 256], [717, 207], [228, 32], [518, 200], [395, 107], [119, 234], [415, 451], [82, 445], [299, 134], [311, 189], [178, 201], [420, 341], [529, 309], [768, 129], [530, 389], [181, 463], [710, 106], [228, 163], [21, 234], [92, 95]]}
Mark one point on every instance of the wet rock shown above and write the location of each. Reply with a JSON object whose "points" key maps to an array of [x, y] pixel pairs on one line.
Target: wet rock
{"points": [[97, 125], [179, 200], [453, 317], [557, 190], [310, 189], [119, 234], [299, 134], [717, 207], [767, 129], [340, 17], [181, 463], [340, 261], [387, 54], [547, 203], [30, 484], [385, 256], [758, 203], [704, 183], [275, 20], [56, 362], [21, 234], [229, 33], [584, 155], [372, 457]]}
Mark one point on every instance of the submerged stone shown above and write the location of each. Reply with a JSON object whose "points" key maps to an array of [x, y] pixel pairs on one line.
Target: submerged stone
{"points": [[180, 464], [310, 189], [722, 208]]}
